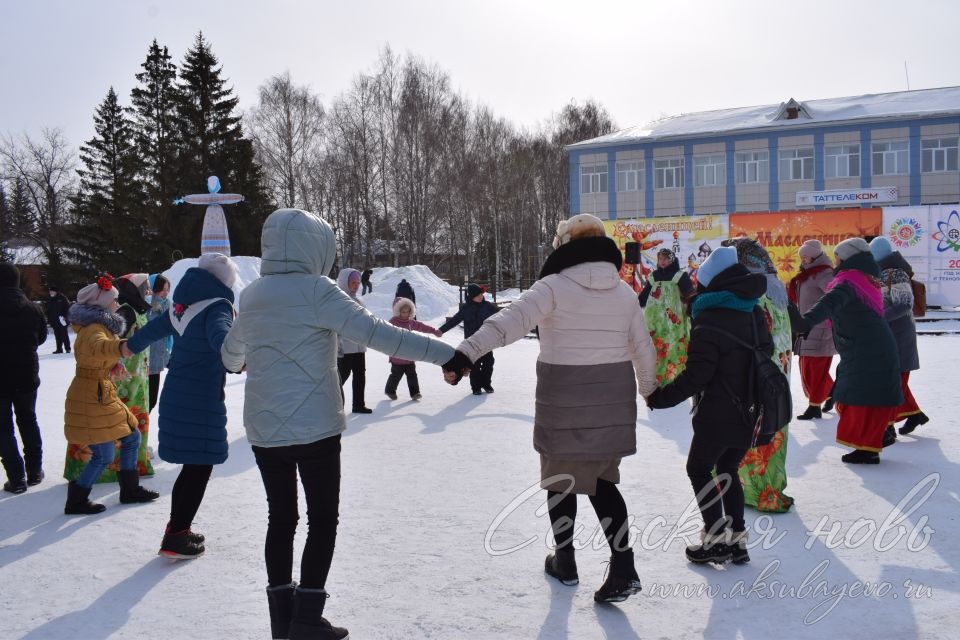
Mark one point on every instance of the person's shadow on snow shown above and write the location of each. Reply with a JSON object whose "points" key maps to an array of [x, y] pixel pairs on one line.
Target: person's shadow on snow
{"points": [[111, 611], [556, 625]]}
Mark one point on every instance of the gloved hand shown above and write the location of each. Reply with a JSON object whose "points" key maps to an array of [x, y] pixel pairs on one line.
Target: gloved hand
{"points": [[456, 367]]}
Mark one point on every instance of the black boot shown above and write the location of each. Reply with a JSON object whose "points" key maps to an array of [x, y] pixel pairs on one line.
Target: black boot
{"points": [[622, 579], [828, 404], [130, 490], [34, 477], [861, 456], [15, 486], [180, 545], [889, 436], [913, 422], [280, 600], [562, 565], [738, 547], [78, 501], [812, 413], [308, 622], [714, 548]]}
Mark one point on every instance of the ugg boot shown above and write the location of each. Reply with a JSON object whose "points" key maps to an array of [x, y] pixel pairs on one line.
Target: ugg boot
{"points": [[738, 547], [913, 422], [622, 579], [78, 501], [812, 413], [712, 548], [130, 490], [562, 565], [280, 600], [308, 622]]}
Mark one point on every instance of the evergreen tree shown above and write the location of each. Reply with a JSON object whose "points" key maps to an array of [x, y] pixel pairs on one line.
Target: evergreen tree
{"points": [[21, 210], [6, 225], [109, 204], [212, 143], [154, 112]]}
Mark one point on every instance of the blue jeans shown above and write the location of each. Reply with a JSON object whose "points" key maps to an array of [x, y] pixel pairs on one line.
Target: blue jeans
{"points": [[103, 455]]}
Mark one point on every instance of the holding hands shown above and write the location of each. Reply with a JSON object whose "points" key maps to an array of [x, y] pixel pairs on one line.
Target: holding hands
{"points": [[456, 367], [125, 350]]}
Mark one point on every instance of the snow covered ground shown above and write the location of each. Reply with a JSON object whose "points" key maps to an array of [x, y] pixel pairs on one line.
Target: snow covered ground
{"points": [[443, 530]]}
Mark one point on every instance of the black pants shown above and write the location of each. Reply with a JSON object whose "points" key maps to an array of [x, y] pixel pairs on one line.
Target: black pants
{"points": [[319, 467], [714, 504], [367, 287], [482, 372], [355, 363], [611, 512], [24, 406], [154, 382], [397, 371], [62, 335], [187, 495]]}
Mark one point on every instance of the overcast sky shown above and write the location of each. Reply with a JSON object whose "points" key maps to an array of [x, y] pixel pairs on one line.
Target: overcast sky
{"points": [[523, 58]]}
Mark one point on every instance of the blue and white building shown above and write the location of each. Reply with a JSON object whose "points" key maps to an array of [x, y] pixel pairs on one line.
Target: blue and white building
{"points": [[871, 150]]}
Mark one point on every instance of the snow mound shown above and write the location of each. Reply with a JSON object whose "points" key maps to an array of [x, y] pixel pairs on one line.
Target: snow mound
{"points": [[248, 268], [435, 298]]}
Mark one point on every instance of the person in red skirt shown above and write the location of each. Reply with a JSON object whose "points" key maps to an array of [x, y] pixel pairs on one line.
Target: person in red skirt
{"points": [[816, 350], [895, 278], [867, 390]]}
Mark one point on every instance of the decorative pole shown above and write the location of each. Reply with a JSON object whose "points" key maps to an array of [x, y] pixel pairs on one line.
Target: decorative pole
{"points": [[214, 238]]}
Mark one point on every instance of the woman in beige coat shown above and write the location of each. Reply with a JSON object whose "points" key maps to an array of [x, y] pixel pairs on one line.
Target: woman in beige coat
{"points": [[595, 351]]}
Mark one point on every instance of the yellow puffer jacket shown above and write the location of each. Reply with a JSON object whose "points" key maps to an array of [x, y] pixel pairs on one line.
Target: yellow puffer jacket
{"points": [[94, 414]]}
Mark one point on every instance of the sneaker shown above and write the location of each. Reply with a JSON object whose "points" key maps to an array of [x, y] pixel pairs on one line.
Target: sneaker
{"points": [[35, 477], [562, 565], [913, 422], [889, 436], [416, 396], [828, 405], [392, 396], [180, 546], [861, 456], [488, 389], [15, 486], [812, 413], [362, 410]]}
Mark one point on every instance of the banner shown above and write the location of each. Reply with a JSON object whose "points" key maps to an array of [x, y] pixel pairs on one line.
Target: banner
{"points": [[847, 196], [691, 238], [782, 232], [928, 237]]}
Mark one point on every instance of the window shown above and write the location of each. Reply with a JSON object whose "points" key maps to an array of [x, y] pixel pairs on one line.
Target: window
{"points": [[753, 166], [842, 160], [629, 176], [796, 164], [890, 158], [668, 173], [939, 154], [710, 171], [593, 178]]}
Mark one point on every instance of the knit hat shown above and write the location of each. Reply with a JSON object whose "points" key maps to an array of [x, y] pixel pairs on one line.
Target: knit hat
{"points": [[9, 275], [99, 294], [851, 247], [881, 248], [810, 249], [221, 266], [720, 260], [665, 252], [583, 225], [400, 303], [473, 290]]}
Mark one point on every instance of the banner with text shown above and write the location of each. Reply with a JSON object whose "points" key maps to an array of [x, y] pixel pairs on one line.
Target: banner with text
{"points": [[929, 238], [847, 196]]}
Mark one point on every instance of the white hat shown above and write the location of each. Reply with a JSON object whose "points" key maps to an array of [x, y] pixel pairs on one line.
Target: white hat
{"points": [[221, 266], [583, 225]]}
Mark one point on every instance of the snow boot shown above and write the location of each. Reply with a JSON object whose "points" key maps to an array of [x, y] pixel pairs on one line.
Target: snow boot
{"points": [[861, 456], [738, 546], [392, 396], [35, 477], [280, 600], [488, 389], [889, 436], [562, 565], [130, 490], [714, 548], [828, 404], [622, 579], [78, 501], [15, 487], [180, 545], [812, 413], [308, 622], [913, 422], [362, 410]]}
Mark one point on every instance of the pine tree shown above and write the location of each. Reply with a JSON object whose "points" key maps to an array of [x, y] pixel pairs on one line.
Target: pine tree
{"points": [[154, 112], [21, 210], [109, 204], [213, 144]]}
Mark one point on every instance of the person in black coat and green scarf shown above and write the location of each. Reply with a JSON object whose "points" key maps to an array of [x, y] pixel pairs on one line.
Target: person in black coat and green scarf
{"points": [[718, 368], [867, 390]]}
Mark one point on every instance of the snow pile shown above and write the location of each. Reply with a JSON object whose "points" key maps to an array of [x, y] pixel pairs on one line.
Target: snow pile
{"points": [[435, 298], [248, 268]]}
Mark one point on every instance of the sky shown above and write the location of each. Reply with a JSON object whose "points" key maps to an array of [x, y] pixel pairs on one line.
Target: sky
{"points": [[525, 59]]}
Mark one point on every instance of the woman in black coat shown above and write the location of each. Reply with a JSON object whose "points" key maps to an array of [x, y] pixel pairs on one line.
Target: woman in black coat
{"points": [[717, 368]]}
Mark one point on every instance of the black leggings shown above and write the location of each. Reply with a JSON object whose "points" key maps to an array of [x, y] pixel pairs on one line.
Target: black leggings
{"points": [[154, 382], [187, 495], [319, 467], [355, 363], [701, 461], [607, 503]]}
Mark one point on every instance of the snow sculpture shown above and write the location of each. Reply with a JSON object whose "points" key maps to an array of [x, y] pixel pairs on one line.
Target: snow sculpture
{"points": [[214, 238]]}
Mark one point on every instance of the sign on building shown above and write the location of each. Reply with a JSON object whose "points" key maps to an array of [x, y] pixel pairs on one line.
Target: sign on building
{"points": [[836, 197]]}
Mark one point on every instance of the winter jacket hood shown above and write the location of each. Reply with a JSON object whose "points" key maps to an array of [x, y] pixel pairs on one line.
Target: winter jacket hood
{"points": [[739, 281], [82, 315], [582, 250], [295, 241]]}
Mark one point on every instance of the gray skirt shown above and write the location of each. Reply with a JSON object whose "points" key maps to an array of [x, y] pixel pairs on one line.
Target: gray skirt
{"points": [[556, 475]]}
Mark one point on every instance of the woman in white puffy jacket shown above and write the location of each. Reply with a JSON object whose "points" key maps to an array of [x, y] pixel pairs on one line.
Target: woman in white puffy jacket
{"points": [[595, 351], [286, 336]]}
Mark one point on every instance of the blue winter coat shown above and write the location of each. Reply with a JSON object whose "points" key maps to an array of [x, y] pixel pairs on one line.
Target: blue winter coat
{"points": [[193, 415]]}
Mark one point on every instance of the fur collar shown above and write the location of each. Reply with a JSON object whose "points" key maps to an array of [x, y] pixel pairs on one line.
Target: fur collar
{"points": [[84, 315], [579, 251]]}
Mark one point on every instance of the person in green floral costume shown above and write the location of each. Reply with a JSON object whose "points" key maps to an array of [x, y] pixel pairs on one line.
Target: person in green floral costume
{"points": [[663, 299], [130, 377], [763, 470]]}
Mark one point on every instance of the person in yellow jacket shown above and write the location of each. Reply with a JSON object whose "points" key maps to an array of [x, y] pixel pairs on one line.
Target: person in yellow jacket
{"points": [[94, 415]]}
